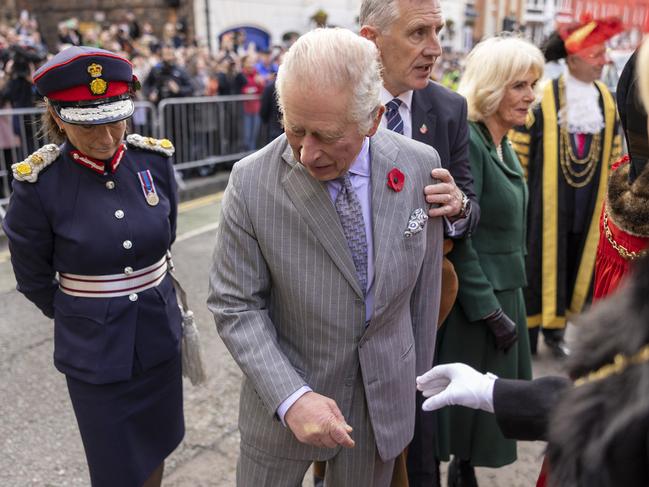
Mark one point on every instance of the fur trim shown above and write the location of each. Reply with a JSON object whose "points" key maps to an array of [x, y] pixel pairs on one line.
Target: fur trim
{"points": [[628, 205]]}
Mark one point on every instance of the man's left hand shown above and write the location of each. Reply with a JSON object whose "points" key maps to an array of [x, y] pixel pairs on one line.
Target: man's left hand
{"points": [[445, 194]]}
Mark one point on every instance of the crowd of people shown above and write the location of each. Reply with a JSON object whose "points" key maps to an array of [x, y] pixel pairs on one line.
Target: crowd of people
{"points": [[170, 64], [396, 225]]}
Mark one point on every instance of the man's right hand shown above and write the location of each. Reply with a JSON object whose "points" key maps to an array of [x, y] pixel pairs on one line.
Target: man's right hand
{"points": [[316, 420]]}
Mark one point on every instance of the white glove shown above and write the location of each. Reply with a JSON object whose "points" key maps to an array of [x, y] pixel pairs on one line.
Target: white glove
{"points": [[457, 385]]}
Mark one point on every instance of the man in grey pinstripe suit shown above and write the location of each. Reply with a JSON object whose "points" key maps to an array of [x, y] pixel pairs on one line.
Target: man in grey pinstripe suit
{"points": [[329, 364]]}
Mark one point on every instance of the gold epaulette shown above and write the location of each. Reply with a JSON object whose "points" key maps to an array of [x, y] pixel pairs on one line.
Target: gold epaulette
{"points": [[161, 146], [28, 169]]}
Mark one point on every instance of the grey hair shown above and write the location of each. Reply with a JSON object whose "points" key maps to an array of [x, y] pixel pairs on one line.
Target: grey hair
{"points": [[379, 13], [334, 58], [491, 67]]}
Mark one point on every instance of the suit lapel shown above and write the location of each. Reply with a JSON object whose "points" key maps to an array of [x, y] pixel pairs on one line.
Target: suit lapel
{"points": [[311, 199], [424, 120], [494, 155], [389, 218]]}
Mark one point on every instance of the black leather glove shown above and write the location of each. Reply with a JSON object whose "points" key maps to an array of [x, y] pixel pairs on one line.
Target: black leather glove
{"points": [[503, 329]]}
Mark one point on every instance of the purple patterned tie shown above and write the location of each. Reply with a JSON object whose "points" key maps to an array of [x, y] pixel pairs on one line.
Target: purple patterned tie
{"points": [[351, 217]]}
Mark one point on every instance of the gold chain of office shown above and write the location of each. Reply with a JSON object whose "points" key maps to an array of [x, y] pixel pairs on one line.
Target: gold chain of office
{"points": [[625, 253], [620, 364], [578, 172]]}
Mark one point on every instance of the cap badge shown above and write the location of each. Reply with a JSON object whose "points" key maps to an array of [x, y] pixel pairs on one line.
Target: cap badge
{"points": [[98, 86], [95, 70]]}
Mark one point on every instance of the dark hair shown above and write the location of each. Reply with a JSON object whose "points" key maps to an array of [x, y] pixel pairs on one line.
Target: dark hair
{"points": [[553, 48], [598, 433]]}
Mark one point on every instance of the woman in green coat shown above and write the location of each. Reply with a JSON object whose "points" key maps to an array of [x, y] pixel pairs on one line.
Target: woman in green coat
{"points": [[487, 327]]}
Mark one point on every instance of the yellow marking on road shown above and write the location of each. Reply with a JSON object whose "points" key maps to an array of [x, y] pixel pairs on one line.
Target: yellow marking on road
{"points": [[197, 231], [4, 256], [200, 202]]}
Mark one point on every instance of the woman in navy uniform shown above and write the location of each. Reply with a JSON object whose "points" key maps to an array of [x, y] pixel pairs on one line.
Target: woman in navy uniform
{"points": [[90, 224]]}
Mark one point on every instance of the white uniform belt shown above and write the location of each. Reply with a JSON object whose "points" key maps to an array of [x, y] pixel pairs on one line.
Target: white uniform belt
{"points": [[113, 285]]}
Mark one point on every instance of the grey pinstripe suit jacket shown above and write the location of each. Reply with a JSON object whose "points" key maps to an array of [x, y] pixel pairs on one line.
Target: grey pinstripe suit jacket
{"points": [[287, 303]]}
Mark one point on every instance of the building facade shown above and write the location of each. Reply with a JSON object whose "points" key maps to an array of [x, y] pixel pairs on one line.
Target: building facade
{"points": [[277, 18], [271, 18]]}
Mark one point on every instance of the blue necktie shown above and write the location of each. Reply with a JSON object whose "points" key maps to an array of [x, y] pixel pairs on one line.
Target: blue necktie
{"points": [[395, 122], [351, 218]]}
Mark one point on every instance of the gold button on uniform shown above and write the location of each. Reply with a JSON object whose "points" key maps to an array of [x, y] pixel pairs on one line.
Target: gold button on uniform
{"points": [[127, 244], [119, 214], [132, 297], [110, 185]]}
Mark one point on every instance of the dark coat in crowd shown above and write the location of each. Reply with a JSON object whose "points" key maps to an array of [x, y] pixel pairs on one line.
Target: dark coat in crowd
{"points": [[270, 113]]}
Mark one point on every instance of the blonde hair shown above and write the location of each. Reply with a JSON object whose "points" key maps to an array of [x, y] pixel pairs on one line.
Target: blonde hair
{"points": [[642, 73], [491, 67], [326, 59]]}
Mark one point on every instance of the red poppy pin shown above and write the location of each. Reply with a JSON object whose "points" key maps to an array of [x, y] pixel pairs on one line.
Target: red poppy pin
{"points": [[396, 180]]}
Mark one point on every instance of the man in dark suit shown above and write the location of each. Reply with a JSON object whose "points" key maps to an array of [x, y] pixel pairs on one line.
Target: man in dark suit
{"points": [[406, 33], [429, 112]]}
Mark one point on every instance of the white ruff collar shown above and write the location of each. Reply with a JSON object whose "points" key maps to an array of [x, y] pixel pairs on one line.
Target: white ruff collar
{"points": [[582, 113]]}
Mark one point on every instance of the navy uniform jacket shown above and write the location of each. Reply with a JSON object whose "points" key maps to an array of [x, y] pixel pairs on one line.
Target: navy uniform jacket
{"points": [[66, 222]]}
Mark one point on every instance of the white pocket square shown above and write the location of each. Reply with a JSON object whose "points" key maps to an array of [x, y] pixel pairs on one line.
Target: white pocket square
{"points": [[416, 222]]}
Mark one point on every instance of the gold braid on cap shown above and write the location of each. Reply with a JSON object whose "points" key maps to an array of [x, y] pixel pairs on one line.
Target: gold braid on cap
{"points": [[620, 364]]}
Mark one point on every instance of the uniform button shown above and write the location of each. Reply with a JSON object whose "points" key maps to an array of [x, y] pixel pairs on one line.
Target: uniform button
{"points": [[127, 244], [110, 185], [119, 214], [132, 297], [128, 270]]}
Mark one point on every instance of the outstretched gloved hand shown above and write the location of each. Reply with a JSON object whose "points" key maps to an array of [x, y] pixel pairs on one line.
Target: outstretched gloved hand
{"points": [[456, 385]]}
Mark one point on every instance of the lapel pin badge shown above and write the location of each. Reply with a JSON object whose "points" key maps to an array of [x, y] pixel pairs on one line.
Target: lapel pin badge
{"points": [[423, 129]]}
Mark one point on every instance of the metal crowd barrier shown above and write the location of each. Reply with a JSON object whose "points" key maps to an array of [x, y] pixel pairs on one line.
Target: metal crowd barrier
{"points": [[208, 132], [18, 138]]}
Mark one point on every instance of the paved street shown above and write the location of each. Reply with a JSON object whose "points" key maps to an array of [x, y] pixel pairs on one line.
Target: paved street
{"points": [[38, 435]]}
